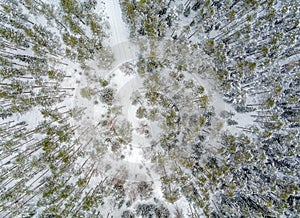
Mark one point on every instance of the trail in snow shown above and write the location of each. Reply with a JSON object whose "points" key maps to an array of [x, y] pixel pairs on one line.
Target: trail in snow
{"points": [[119, 41], [119, 32]]}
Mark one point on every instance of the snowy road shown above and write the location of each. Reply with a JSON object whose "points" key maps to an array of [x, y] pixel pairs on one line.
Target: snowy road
{"points": [[118, 28], [119, 33]]}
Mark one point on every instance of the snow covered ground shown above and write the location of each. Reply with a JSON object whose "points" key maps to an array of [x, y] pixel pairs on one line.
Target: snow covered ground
{"points": [[118, 29], [123, 49]]}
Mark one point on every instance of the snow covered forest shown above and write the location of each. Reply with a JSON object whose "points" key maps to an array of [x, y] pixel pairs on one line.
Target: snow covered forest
{"points": [[149, 108]]}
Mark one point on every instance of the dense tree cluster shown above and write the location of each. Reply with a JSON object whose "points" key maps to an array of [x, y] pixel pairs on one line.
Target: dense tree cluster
{"points": [[38, 39], [253, 48]]}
